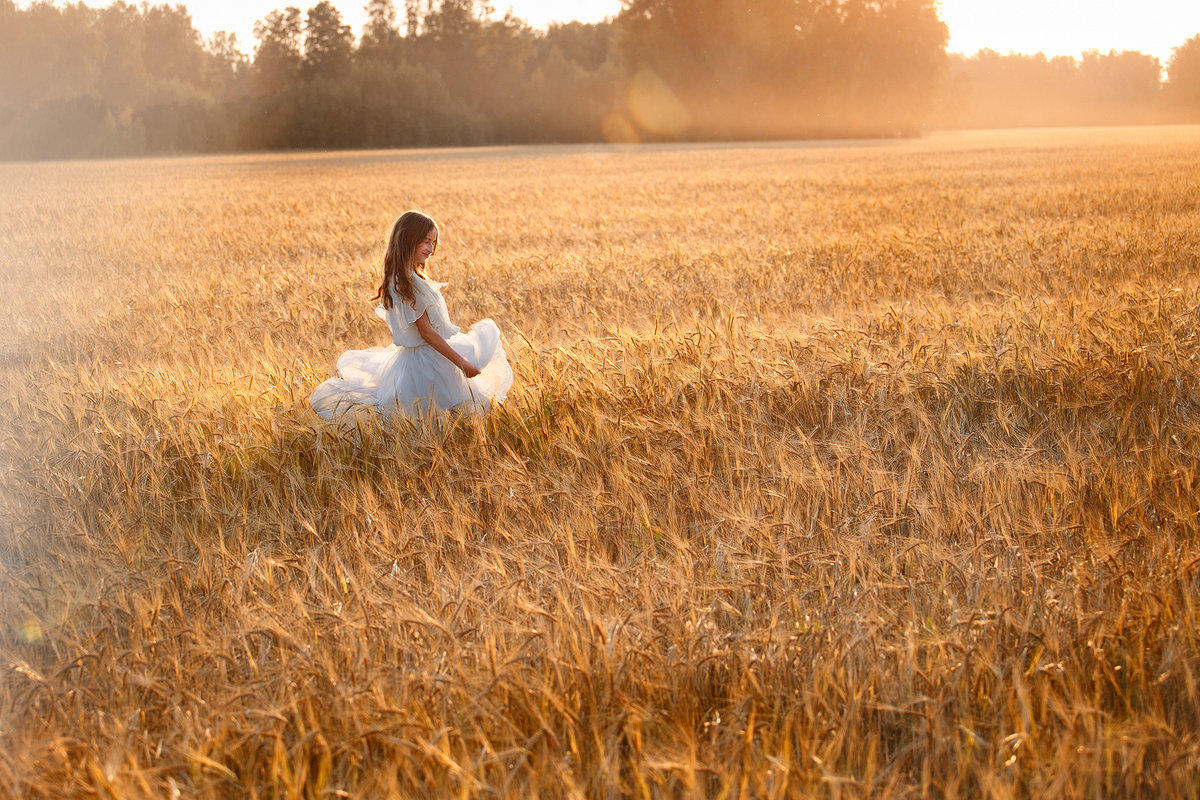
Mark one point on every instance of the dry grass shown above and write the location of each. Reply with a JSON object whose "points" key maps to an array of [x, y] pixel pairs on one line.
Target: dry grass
{"points": [[829, 471]]}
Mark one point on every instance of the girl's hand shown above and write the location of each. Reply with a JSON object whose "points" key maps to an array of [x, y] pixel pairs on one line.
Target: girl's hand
{"points": [[435, 340]]}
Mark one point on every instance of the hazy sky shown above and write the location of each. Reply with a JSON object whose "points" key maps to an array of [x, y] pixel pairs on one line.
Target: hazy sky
{"points": [[1068, 27], [1054, 27]]}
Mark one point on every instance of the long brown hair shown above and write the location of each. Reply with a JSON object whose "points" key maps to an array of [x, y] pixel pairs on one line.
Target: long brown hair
{"points": [[407, 234]]}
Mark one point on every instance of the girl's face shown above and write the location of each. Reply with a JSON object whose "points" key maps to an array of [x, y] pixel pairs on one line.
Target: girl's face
{"points": [[426, 248]]}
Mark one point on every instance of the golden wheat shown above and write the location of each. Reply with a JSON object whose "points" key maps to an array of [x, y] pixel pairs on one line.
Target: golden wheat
{"points": [[846, 470]]}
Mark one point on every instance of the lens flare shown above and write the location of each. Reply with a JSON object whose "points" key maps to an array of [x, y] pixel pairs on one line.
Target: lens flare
{"points": [[31, 630], [654, 106], [617, 130]]}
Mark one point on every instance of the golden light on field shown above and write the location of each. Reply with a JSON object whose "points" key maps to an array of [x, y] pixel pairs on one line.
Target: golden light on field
{"points": [[869, 466]]}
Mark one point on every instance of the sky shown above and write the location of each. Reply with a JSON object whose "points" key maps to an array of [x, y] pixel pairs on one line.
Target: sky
{"points": [[1069, 27], [239, 16], [1053, 27]]}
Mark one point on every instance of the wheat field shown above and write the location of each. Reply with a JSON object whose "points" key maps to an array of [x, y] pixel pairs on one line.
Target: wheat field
{"points": [[863, 469]]}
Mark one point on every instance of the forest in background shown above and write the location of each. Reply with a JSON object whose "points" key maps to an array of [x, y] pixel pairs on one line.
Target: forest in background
{"points": [[139, 79]]}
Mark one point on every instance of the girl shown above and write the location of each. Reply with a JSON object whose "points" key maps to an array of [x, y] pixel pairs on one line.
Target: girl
{"points": [[430, 365]]}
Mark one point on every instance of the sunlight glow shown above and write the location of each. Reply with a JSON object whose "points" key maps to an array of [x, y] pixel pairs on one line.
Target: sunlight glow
{"points": [[1053, 27], [239, 16], [1069, 27]]}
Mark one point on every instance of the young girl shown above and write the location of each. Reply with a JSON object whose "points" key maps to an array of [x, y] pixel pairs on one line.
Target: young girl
{"points": [[430, 365]]}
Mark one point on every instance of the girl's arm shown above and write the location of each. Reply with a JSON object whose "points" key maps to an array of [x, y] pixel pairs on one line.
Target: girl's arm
{"points": [[435, 340]]}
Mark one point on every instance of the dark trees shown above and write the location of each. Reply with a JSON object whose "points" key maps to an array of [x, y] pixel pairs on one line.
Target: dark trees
{"points": [[136, 78], [380, 36], [790, 67], [121, 80], [1183, 78], [328, 44], [278, 56], [993, 90]]}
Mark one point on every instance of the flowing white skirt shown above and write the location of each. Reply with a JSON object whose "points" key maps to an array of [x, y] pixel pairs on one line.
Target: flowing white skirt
{"points": [[413, 381]]}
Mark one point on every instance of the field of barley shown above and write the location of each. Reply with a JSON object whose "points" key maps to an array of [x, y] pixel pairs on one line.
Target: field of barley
{"points": [[846, 470]]}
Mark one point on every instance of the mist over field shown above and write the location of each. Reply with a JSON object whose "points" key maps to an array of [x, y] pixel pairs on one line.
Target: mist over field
{"points": [[849, 469], [127, 80]]}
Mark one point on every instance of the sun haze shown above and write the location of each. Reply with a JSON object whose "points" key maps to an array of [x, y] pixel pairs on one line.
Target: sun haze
{"points": [[1054, 27], [239, 16], [1069, 27]]}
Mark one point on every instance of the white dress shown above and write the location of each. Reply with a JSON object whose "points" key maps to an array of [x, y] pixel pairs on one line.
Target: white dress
{"points": [[409, 377]]}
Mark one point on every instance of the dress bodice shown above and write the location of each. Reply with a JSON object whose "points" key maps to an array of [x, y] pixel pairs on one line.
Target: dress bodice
{"points": [[402, 316]]}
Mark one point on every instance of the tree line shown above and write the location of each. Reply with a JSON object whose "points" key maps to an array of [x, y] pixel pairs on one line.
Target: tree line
{"points": [[991, 90], [133, 79]]}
